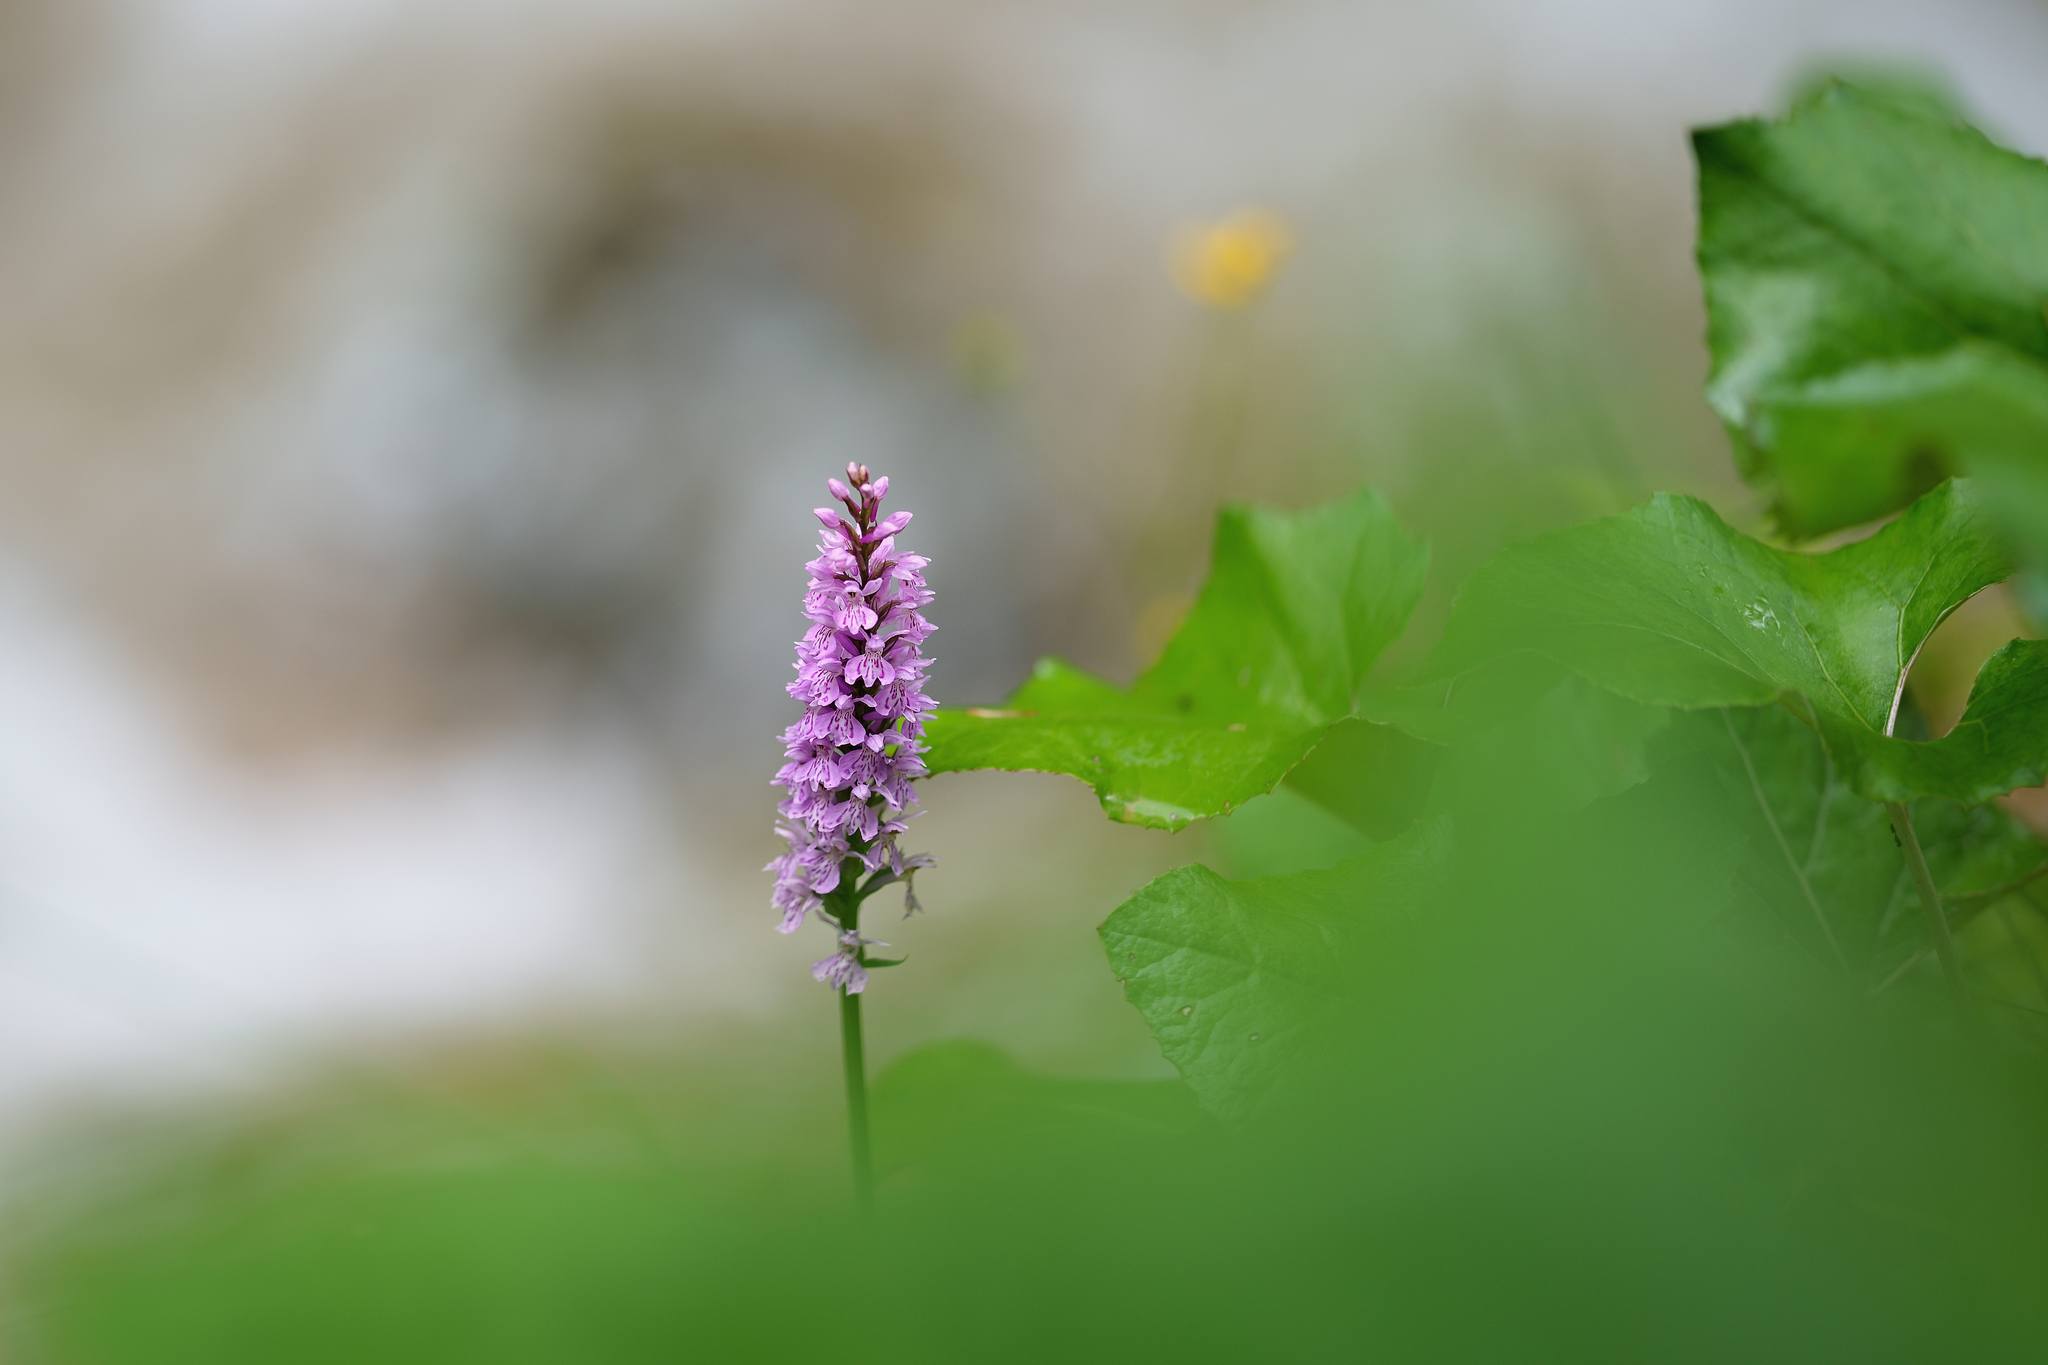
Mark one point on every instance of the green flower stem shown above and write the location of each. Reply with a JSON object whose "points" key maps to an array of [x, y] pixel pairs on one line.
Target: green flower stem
{"points": [[845, 907], [856, 1102], [1930, 901]]}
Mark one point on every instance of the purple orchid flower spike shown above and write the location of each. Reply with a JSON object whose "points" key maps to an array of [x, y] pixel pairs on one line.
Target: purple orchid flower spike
{"points": [[852, 756]]}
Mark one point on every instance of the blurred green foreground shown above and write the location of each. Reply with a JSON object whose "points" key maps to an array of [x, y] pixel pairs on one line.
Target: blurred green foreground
{"points": [[1578, 1102]]}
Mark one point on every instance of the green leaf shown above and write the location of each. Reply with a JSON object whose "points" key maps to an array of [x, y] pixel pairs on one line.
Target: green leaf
{"points": [[1876, 277], [1236, 979], [1282, 832], [1296, 608], [1669, 606], [1374, 778], [2001, 742], [1816, 856], [1566, 742]]}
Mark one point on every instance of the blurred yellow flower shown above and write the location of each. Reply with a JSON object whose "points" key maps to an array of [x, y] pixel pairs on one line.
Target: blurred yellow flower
{"points": [[1226, 263]]}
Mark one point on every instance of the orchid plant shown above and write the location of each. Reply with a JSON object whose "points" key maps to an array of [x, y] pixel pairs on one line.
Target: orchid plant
{"points": [[1876, 277]]}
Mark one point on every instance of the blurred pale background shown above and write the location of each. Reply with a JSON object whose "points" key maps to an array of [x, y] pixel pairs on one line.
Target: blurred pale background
{"points": [[409, 415]]}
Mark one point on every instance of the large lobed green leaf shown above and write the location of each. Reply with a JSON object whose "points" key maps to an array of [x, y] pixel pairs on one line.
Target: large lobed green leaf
{"points": [[2000, 743], [1876, 276], [1237, 979], [1669, 606], [1296, 608], [1821, 859]]}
